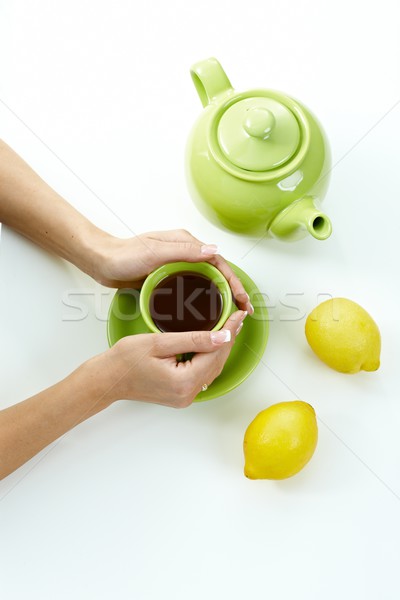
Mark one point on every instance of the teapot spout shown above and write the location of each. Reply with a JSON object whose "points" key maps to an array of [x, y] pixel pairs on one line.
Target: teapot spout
{"points": [[299, 219]]}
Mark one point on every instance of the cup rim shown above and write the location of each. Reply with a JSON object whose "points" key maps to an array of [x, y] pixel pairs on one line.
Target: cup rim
{"points": [[203, 268]]}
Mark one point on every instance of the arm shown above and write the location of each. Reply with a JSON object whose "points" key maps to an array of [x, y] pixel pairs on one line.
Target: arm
{"points": [[141, 367], [34, 209], [28, 427]]}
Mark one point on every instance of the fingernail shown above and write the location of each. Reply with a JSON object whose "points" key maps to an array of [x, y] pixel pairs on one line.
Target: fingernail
{"points": [[209, 249], [239, 329], [219, 337], [251, 308]]}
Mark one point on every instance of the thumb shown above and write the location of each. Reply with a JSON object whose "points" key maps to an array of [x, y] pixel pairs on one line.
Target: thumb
{"points": [[171, 344], [192, 251]]}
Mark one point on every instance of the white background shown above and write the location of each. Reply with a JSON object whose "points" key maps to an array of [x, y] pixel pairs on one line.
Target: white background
{"points": [[145, 502]]}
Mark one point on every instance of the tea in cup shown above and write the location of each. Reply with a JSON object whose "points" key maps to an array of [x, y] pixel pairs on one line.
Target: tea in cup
{"points": [[185, 296]]}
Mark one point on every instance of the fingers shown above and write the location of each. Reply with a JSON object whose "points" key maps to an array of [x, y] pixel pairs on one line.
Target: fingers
{"points": [[234, 322], [238, 291], [175, 235], [190, 251], [171, 344], [205, 367]]}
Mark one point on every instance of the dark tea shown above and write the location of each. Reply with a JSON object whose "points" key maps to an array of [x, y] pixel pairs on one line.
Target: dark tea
{"points": [[186, 301]]}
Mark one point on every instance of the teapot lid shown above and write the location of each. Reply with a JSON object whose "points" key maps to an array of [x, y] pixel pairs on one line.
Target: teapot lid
{"points": [[258, 134]]}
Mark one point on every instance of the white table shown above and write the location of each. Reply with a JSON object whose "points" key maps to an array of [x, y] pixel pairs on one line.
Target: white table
{"points": [[144, 502]]}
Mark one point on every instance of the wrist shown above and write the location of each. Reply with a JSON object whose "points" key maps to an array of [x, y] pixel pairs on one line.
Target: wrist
{"points": [[101, 379], [95, 244]]}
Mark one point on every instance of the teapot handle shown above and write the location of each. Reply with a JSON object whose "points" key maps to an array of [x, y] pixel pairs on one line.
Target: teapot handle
{"points": [[210, 80]]}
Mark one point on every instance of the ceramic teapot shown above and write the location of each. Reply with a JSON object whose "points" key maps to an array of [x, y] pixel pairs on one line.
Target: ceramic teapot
{"points": [[256, 161]]}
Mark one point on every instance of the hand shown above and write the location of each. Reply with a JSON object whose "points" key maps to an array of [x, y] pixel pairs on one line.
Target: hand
{"points": [[144, 367], [126, 263], [33, 209]]}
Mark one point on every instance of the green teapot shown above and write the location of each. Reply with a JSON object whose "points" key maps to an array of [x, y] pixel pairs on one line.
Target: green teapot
{"points": [[256, 161]]}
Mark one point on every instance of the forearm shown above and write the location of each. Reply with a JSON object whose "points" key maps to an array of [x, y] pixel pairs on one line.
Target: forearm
{"points": [[28, 427], [34, 209]]}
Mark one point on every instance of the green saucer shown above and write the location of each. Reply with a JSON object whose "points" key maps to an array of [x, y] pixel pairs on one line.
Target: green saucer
{"points": [[124, 319]]}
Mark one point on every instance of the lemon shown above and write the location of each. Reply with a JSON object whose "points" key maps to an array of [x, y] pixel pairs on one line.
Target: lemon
{"points": [[280, 441], [344, 336]]}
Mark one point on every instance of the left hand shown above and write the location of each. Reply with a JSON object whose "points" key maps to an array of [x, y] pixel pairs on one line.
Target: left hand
{"points": [[144, 367], [127, 262]]}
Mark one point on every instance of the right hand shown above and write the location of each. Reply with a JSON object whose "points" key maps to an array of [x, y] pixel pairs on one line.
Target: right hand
{"points": [[144, 367], [127, 262]]}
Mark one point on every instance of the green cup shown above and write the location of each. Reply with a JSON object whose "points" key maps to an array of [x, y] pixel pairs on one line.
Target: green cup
{"points": [[202, 268]]}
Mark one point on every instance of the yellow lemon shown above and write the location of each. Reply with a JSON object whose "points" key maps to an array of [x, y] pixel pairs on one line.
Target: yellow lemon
{"points": [[280, 441], [344, 336]]}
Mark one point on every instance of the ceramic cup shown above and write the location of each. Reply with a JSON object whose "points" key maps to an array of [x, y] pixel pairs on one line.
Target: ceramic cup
{"points": [[203, 268]]}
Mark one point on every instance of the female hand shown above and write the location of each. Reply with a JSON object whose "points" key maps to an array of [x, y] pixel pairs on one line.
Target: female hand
{"points": [[127, 262], [144, 367], [33, 209]]}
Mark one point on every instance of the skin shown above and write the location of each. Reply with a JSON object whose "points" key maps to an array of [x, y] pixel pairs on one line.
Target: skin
{"points": [[141, 367]]}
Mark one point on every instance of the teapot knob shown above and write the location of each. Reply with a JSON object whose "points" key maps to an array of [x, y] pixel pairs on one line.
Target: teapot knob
{"points": [[259, 122]]}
